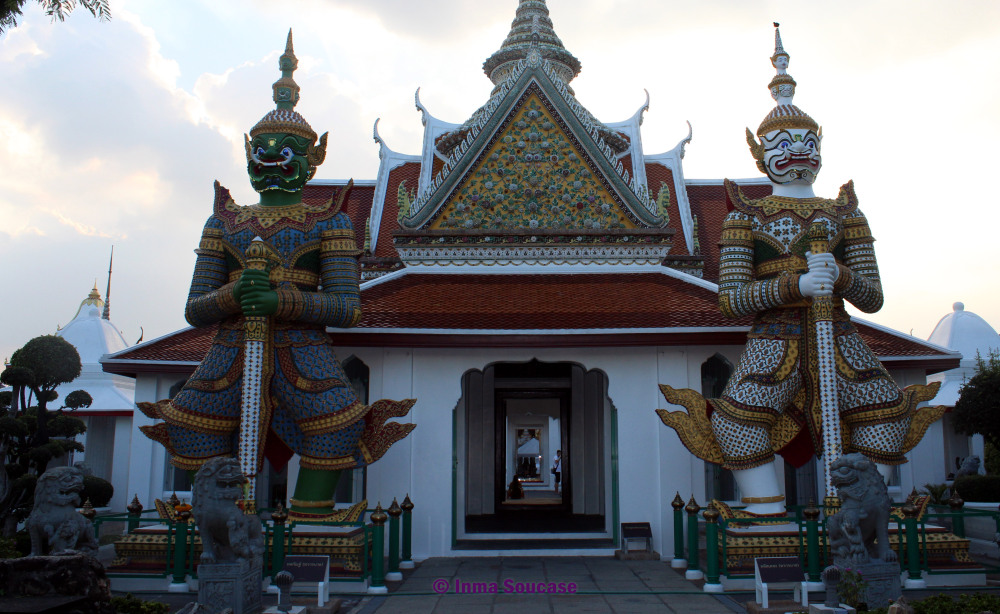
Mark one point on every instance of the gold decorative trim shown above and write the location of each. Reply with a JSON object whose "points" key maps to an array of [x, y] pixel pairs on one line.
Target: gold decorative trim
{"points": [[351, 514], [922, 419], [693, 427], [311, 504], [771, 499], [321, 424], [790, 264]]}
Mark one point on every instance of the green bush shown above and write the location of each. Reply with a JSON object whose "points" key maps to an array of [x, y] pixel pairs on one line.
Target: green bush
{"points": [[992, 460], [979, 488], [8, 549], [98, 490], [130, 605], [938, 493]]}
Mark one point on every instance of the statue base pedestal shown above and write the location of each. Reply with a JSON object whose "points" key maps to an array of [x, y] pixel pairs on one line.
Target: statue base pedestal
{"points": [[231, 585], [815, 608], [776, 606], [882, 583]]}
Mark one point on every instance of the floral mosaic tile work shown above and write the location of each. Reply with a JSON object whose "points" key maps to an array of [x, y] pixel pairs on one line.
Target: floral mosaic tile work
{"points": [[534, 175]]}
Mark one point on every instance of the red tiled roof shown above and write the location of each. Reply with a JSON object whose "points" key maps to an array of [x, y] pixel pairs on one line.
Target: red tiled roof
{"points": [[410, 173], [657, 174], [186, 345], [708, 202], [358, 206], [517, 302], [531, 302], [884, 343]]}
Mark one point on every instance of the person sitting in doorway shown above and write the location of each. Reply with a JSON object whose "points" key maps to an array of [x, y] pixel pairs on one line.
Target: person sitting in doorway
{"points": [[557, 469]]}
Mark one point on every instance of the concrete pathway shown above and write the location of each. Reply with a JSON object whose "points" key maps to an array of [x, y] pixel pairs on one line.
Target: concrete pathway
{"points": [[591, 585]]}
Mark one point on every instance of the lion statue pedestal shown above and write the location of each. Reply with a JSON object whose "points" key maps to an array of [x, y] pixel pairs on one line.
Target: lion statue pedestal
{"points": [[229, 575]]}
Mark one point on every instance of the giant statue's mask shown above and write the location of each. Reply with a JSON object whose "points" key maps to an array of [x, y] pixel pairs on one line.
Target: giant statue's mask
{"points": [[789, 147], [282, 151]]}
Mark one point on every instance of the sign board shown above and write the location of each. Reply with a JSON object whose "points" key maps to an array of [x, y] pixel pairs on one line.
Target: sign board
{"points": [[779, 569], [308, 568], [783, 571], [636, 530]]}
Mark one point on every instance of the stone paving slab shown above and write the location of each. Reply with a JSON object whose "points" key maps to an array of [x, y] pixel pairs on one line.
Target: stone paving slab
{"points": [[604, 586]]}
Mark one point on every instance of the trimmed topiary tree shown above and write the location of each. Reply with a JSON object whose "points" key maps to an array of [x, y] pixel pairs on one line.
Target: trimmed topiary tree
{"points": [[30, 434], [98, 490], [978, 408]]}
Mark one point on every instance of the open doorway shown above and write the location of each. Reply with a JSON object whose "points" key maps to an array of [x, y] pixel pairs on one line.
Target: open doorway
{"points": [[529, 435], [517, 417]]}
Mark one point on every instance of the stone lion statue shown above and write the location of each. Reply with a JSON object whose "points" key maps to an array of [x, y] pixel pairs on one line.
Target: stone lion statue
{"points": [[227, 534], [54, 525], [970, 466], [859, 532]]}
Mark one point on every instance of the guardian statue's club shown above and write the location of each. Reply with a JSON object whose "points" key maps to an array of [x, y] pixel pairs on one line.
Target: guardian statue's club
{"points": [[806, 382]]}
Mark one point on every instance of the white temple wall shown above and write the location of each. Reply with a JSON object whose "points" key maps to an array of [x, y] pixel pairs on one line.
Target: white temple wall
{"points": [[148, 484], [653, 465], [421, 464], [120, 463]]}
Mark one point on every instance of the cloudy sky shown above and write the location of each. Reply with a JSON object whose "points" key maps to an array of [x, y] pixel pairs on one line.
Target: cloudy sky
{"points": [[112, 133]]}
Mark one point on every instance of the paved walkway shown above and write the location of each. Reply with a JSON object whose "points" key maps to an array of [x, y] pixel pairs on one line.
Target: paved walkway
{"points": [[602, 586]]}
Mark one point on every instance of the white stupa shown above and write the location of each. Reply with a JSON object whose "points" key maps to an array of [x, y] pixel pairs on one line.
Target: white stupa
{"points": [[94, 336], [109, 417], [967, 333]]}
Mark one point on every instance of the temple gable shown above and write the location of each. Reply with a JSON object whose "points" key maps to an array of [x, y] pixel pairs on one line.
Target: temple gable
{"points": [[533, 173]]}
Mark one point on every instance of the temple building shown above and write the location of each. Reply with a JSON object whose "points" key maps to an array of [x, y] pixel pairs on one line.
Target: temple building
{"points": [[972, 336], [530, 277], [109, 417]]}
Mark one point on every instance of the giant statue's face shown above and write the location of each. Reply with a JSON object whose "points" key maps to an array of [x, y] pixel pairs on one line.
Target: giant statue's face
{"points": [[278, 162], [792, 156]]}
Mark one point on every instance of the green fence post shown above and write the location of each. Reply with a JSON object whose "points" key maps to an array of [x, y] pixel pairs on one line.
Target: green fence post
{"points": [[134, 513], [956, 503], [407, 562], [811, 514], [712, 584], [678, 562], [913, 576], [377, 586], [692, 509], [278, 517], [394, 511], [179, 582]]}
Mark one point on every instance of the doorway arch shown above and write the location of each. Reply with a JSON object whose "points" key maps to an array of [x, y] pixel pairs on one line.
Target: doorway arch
{"points": [[567, 408]]}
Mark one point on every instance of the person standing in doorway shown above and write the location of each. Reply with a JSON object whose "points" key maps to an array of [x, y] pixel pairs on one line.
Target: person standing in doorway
{"points": [[557, 468]]}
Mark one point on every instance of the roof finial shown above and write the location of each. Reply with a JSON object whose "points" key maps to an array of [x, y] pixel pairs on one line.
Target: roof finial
{"points": [[531, 19], [107, 295], [782, 86], [286, 91], [284, 119], [778, 49]]}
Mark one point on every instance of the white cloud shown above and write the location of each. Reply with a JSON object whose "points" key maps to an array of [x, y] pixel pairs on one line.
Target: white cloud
{"points": [[117, 129]]}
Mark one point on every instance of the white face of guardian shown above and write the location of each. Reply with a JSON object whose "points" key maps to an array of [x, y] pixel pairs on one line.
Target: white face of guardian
{"points": [[792, 156]]}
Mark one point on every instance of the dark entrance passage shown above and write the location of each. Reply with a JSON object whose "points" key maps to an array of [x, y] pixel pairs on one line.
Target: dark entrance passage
{"points": [[518, 416]]}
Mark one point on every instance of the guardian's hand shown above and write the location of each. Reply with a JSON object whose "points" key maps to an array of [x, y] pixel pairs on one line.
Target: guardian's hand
{"points": [[254, 293], [823, 272]]}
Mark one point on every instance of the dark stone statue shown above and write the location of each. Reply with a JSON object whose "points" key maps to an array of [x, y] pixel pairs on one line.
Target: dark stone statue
{"points": [[227, 534], [859, 532], [54, 525]]}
